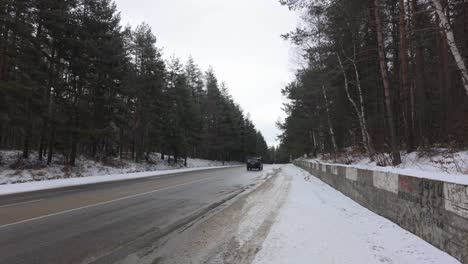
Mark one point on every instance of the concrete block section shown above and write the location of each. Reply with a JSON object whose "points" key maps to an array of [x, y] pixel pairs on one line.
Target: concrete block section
{"points": [[386, 181], [408, 184], [456, 199], [334, 169], [351, 173], [410, 189], [365, 178], [434, 210]]}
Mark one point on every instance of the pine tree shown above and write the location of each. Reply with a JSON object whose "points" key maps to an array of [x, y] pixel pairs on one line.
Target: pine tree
{"points": [[74, 82], [148, 88], [195, 83], [378, 51]]}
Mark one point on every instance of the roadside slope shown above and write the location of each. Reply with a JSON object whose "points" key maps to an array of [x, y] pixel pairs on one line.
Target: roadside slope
{"points": [[7, 189], [15, 169]]}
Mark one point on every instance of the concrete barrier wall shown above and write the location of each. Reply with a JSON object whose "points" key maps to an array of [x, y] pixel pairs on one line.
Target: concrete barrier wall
{"points": [[434, 210]]}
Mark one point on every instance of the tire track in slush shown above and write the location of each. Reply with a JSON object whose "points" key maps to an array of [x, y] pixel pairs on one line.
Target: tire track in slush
{"points": [[232, 234]]}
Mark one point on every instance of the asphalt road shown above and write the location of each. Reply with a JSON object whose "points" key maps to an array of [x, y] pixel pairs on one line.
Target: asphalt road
{"points": [[104, 223]]}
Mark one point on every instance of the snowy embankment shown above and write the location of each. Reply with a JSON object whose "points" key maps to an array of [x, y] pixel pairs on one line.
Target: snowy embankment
{"points": [[436, 164], [14, 169], [60, 183], [318, 224]]}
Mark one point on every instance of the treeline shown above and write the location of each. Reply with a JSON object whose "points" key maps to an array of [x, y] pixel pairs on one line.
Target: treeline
{"points": [[278, 154], [74, 82], [382, 75]]}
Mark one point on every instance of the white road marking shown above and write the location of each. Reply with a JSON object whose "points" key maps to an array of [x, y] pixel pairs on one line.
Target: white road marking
{"points": [[101, 203], [8, 205]]}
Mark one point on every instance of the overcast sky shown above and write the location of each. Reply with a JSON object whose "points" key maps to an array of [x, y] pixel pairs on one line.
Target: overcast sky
{"points": [[239, 38]]}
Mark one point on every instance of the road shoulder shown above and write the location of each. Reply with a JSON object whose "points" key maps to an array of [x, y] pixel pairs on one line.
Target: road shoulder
{"points": [[232, 233]]}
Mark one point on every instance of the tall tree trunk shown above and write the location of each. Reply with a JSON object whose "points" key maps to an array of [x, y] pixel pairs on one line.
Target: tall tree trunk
{"points": [[27, 142], [396, 159], [419, 82], [405, 94], [139, 132], [121, 143], [437, 95], [27, 130], [74, 144], [77, 87], [330, 127], [51, 126], [446, 88], [412, 84], [74, 140], [40, 151], [93, 146], [51, 145], [450, 38], [359, 110], [176, 157], [5, 40], [133, 148], [363, 110], [4, 9], [314, 142], [1, 134]]}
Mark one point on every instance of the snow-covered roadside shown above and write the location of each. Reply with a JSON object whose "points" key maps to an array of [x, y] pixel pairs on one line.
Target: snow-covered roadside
{"points": [[14, 169], [318, 224], [60, 183], [442, 165]]}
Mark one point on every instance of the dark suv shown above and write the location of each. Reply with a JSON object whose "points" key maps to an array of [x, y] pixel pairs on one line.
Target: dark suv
{"points": [[254, 163]]}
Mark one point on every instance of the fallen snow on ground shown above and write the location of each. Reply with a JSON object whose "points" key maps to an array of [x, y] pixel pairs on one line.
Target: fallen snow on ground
{"points": [[60, 183], [14, 169], [437, 164], [318, 224]]}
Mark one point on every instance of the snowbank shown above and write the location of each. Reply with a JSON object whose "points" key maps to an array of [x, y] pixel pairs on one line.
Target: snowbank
{"points": [[319, 224], [439, 164], [59, 183], [14, 169]]}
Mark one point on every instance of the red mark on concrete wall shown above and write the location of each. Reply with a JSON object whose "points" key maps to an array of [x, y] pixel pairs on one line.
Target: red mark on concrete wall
{"points": [[405, 184]]}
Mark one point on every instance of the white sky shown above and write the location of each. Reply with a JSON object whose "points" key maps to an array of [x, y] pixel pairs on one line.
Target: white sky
{"points": [[239, 38]]}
